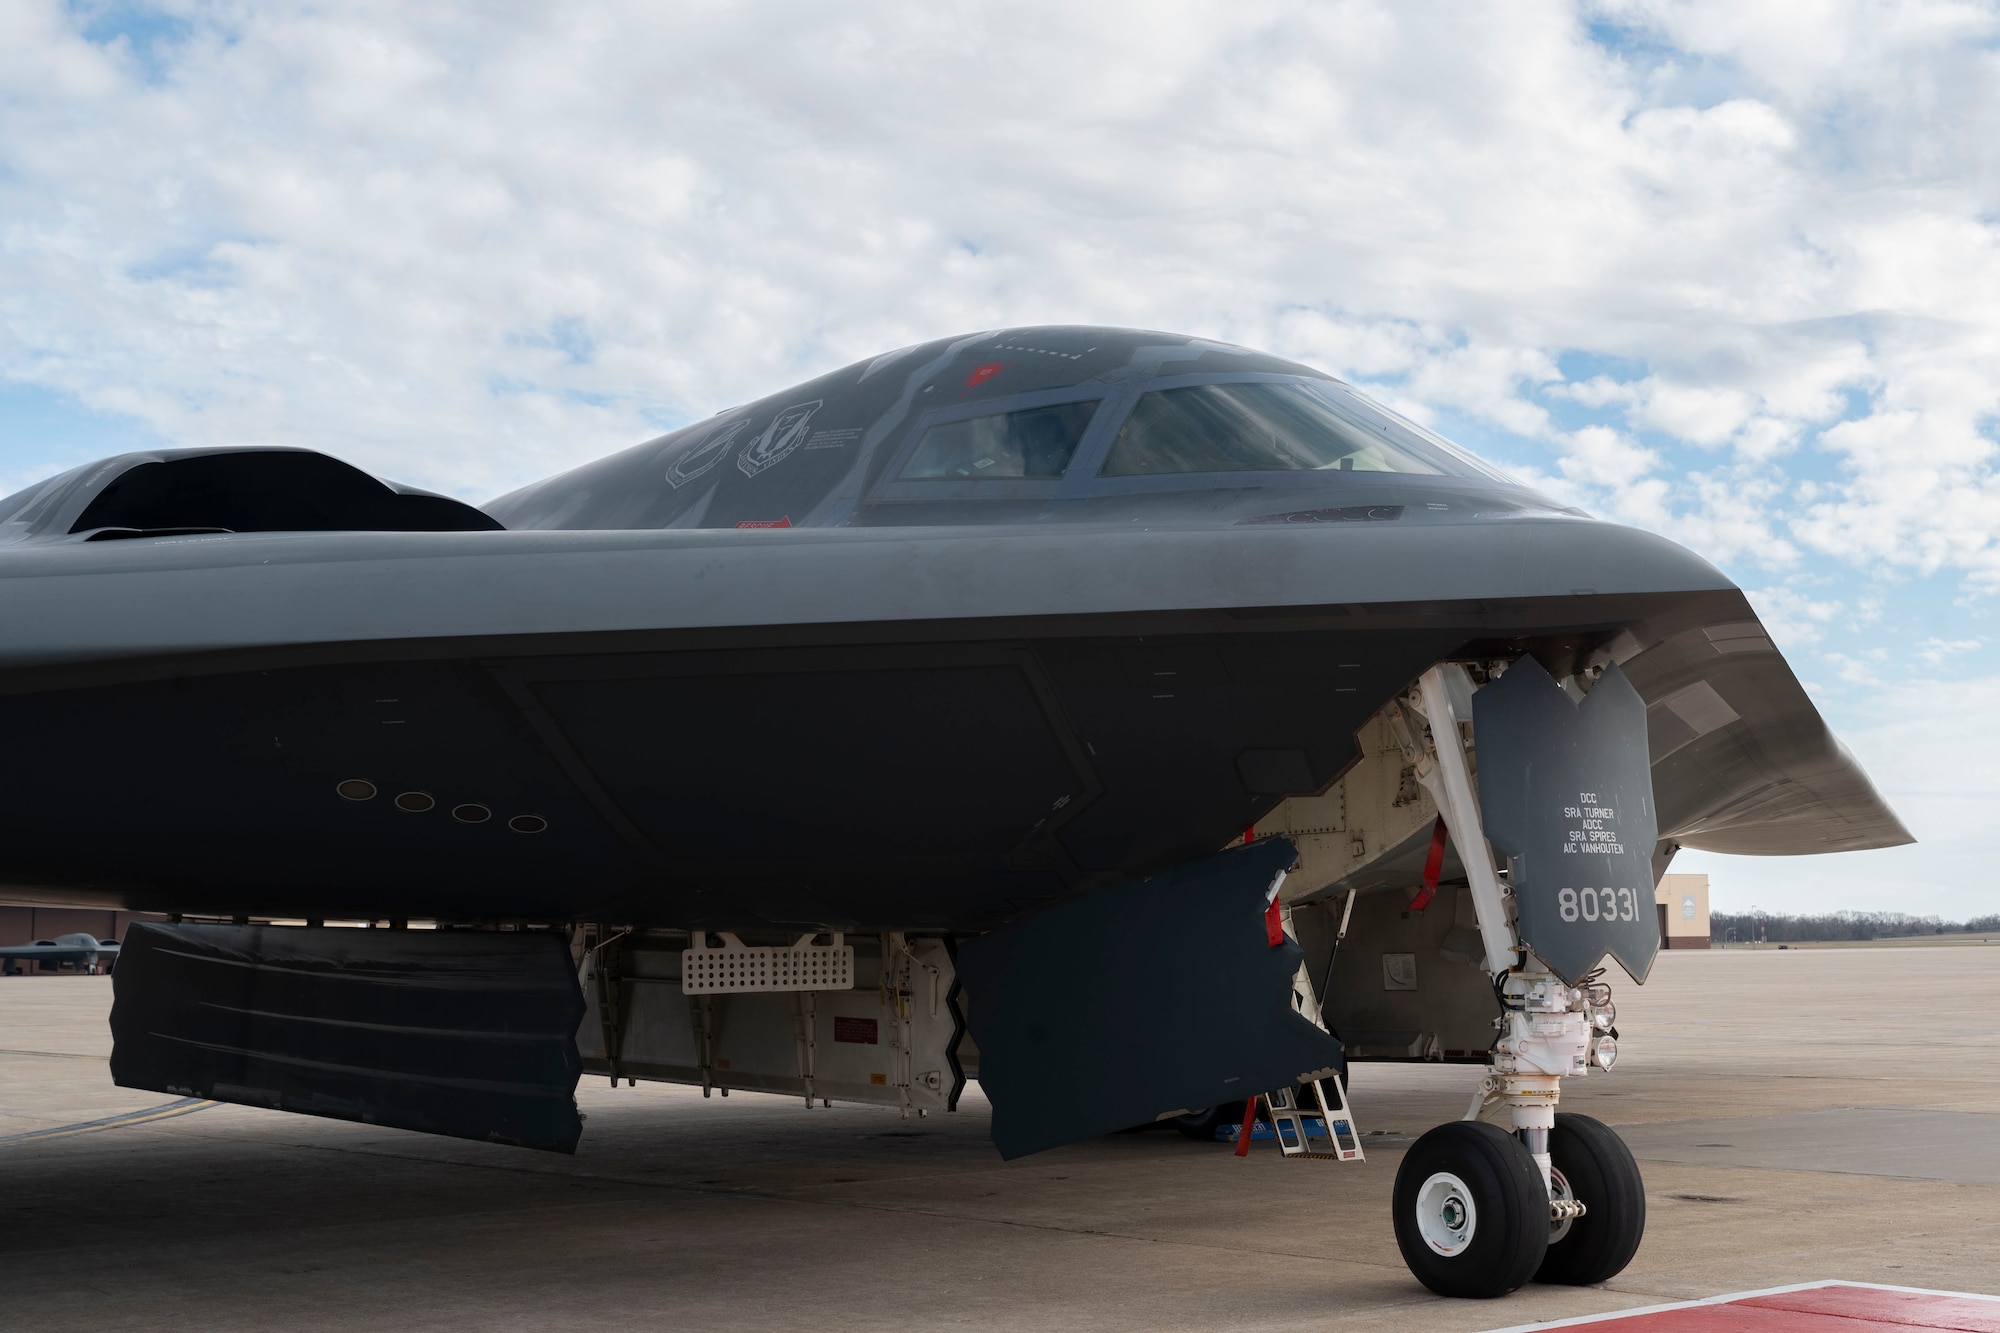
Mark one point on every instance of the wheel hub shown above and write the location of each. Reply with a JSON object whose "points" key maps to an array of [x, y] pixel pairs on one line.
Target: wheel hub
{"points": [[1446, 1218]]}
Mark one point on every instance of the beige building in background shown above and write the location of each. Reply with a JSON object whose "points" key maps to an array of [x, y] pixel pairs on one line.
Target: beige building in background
{"points": [[1683, 904]]}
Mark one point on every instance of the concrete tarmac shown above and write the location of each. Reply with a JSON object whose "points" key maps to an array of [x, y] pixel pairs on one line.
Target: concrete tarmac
{"points": [[1798, 1115]]}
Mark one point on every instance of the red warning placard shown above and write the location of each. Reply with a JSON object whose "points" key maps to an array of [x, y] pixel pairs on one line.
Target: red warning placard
{"points": [[860, 1031]]}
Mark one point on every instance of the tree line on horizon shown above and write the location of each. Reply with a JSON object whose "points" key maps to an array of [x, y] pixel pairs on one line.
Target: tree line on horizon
{"points": [[1780, 927]]}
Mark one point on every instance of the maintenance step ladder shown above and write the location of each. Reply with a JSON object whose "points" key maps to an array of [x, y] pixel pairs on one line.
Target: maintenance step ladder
{"points": [[1288, 1113]]}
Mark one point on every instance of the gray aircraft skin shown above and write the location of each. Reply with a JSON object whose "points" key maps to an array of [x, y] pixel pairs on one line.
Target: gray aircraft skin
{"points": [[925, 643]]}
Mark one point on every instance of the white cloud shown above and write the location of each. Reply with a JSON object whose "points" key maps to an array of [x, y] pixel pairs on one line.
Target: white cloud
{"points": [[1794, 619], [1600, 456], [1935, 652], [1863, 669], [1763, 438], [1706, 416], [1734, 518], [1598, 391], [1689, 412], [1485, 381], [1922, 494]]}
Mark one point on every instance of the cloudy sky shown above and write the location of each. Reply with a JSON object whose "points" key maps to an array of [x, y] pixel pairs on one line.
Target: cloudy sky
{"points": [[1728, 270]]}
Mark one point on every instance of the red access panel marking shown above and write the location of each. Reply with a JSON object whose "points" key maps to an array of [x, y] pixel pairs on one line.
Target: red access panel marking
{"points": [[1819, 1307]]}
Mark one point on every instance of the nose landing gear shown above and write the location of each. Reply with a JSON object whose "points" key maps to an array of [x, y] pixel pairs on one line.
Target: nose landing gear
{"points": [[1479, 1211]]}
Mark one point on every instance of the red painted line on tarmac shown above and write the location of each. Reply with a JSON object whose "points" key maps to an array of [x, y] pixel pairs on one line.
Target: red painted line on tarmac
{"points": [[1812, 1307]]}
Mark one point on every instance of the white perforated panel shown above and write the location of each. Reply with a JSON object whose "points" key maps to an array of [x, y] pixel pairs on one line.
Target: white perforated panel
{"points": [[739, 967]]}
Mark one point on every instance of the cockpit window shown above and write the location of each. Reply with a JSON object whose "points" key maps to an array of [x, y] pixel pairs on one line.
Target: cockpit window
{"points": [[12, 505], [1032, 444], [33, 504], [22, 512], [1296, 426]]}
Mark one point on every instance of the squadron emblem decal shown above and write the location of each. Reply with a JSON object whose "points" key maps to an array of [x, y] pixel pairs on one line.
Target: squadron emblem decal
{"points": [[694, 462], [786, 432]]}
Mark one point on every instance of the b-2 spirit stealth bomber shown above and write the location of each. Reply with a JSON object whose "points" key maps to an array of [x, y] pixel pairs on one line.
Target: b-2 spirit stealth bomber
{"points": [[1143, 726]]}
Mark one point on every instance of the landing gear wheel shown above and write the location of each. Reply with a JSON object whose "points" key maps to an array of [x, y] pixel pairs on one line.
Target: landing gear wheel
{"points": [[1202, 1123], [1599, 1170], [1472, 1217]]}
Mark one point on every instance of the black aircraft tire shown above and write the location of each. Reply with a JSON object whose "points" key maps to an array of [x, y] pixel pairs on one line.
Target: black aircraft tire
{"points": [[1202, 1123], [1472, 1215], [1600, 1172]]}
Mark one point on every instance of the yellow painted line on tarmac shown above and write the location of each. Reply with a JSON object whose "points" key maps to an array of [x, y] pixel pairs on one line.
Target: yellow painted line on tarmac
{"points": [[185, 1106]]}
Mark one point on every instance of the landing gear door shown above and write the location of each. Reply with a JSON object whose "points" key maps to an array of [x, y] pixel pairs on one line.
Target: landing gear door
{"points": [[1566, 791], [1151, 998]]}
